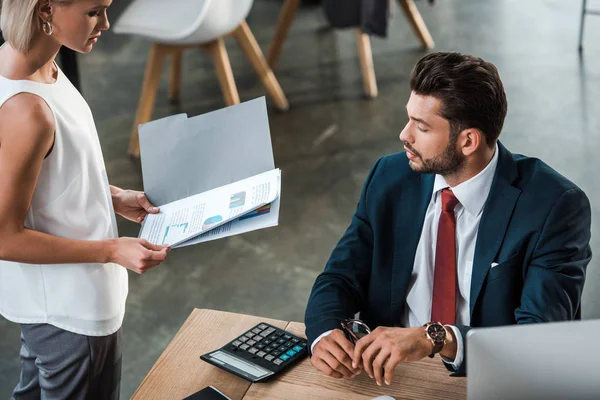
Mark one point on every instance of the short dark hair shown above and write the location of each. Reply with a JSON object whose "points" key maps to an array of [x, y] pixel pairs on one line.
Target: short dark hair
{"points": [[469, 88]]}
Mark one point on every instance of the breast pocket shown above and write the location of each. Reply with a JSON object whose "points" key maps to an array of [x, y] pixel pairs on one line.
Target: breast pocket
{"points": [[505, 268]]}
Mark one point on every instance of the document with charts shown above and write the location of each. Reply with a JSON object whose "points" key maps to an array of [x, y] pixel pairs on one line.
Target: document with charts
{"points": [[188, 218], [212, 175]]}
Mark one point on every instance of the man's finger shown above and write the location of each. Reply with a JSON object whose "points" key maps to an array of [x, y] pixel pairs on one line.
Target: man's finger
{"points": [[359, 348], [336, 365], [389, 368], [368, 357], [378, 364], [343, 357], [322, 366], [347, 346]]}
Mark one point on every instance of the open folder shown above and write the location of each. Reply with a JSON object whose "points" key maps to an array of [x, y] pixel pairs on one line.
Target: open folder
{"points": [[212, 175]]}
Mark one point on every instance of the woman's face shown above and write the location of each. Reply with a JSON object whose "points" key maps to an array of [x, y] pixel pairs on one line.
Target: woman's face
{"points": [[78, 25]]}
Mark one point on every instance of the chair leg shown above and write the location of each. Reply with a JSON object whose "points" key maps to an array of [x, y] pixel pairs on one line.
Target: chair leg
{"points": [[286, 16], [175, 76], [218, 53], [581, 24], [158, 53], [248, 43], [417, 23], [366, 63]]}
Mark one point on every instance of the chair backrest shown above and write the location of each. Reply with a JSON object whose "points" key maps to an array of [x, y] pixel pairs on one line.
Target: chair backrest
{"points": [[182, 21]]}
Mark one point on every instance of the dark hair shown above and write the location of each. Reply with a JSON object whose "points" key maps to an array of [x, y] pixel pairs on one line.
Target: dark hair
{"points": [[469, 88]]}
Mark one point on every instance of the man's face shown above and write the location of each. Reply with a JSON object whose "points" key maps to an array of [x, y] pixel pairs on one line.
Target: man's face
{"points": [[426, 138]]}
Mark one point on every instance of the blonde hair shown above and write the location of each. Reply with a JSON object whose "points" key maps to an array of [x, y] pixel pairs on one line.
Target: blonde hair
{"points": [[19, 22]]}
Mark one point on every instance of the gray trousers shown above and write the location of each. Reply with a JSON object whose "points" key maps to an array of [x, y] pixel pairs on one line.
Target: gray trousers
{"points": [[57, 364]]}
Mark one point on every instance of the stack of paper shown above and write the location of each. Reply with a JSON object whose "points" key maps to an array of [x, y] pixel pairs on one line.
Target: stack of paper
{"points": [[212, 176]]}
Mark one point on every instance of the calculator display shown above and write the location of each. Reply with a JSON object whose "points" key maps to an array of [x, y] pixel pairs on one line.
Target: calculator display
{"points": [[235, 362]]}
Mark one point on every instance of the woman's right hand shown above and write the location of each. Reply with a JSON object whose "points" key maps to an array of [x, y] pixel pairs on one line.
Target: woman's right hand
{"points": [[138, 255]]}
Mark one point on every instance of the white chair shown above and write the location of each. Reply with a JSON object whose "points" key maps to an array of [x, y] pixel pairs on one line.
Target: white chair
{"points": [[177, 25]]}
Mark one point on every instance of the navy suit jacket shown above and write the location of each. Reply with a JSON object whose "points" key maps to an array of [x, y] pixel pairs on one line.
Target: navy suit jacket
{"points": [[535, 225]]}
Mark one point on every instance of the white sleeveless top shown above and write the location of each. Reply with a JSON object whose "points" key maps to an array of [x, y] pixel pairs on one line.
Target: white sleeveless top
{"points": [[71, 200]]}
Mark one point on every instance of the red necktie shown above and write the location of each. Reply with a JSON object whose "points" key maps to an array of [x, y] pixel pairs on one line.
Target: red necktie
{"points": [[443, 307]]}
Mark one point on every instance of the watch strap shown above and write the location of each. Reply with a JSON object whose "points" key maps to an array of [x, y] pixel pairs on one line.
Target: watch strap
{"points": [[437, 347]]}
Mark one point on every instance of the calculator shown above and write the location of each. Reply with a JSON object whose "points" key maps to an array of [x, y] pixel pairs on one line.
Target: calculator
{"points": [[259, 354]]}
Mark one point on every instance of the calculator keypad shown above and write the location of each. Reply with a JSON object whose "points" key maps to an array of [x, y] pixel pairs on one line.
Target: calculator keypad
{"points": [[272, 345]]}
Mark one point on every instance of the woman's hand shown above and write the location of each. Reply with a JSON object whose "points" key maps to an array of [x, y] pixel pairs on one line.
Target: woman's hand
{"points": [[137, 255], [131, 204]]}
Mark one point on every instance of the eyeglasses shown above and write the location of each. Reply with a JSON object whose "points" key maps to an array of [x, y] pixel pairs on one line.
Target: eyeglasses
{"points": [[354, 329]]}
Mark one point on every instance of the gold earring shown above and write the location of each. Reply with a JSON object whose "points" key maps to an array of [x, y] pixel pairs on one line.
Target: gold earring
{"points": [[47, 28]]}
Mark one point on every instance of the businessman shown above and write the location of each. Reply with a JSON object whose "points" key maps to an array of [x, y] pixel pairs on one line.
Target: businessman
{"points": [[454, 233]]}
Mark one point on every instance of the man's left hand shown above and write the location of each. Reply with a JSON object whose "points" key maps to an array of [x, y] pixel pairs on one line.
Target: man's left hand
{"points": [[380, 351], [132, 205]]}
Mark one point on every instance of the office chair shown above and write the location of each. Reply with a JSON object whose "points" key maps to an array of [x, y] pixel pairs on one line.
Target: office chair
{"points": [[176, 26]]}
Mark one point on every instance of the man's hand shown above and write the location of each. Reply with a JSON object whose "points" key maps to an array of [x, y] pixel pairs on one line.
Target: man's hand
{"points": [[380, 351], [131, 204], [333, 356]]}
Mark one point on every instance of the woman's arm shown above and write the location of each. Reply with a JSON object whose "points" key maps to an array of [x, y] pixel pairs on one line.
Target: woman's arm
{"points": [[26, 137]]}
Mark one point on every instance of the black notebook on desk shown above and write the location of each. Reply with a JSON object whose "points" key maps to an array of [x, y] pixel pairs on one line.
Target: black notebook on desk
{"points": [[208, 393]]}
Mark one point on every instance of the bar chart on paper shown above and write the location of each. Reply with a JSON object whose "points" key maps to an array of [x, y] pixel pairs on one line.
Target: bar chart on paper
{"points": [[177, 230], [230, 209]]}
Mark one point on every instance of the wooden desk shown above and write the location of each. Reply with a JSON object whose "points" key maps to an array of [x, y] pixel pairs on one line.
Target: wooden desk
{"points": [[179, 372]]}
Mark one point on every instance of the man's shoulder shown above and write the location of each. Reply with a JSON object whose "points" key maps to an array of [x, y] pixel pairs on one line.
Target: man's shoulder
{"points": [[393, 167], [537, 176], [390, 175]]}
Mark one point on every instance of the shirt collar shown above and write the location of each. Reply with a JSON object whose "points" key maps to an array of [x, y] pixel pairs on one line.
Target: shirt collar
{"points": [[473, 192]]}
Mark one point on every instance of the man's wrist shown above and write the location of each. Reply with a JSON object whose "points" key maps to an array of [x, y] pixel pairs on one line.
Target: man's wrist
{"points": [[449, 349], [429, 343], [318, 339]]}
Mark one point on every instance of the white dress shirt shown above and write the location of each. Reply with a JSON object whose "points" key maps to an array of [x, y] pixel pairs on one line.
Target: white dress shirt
{"points": [[472, 195]]}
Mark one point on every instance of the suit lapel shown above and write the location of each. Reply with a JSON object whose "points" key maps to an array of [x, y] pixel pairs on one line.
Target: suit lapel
{"points": [[410, 216], [494, 220]]}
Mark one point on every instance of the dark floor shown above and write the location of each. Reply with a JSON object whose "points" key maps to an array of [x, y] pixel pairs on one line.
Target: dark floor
{"points": [[326, 143]]}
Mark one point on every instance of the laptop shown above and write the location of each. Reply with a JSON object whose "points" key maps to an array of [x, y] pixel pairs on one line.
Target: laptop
{"points": [[559, 360]]}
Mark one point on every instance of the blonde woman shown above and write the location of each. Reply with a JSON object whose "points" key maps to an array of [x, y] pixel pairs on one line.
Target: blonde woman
{"points": [[62, 266]]}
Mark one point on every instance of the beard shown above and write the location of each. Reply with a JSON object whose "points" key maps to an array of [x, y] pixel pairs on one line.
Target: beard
{"points": [[449, 162]]}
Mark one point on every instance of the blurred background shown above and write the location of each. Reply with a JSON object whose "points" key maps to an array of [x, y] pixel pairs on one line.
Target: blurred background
{"points": [[327, 141]]}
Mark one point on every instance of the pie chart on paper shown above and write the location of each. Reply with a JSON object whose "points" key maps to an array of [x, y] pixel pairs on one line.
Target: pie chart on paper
{"points": [[211, 221]]}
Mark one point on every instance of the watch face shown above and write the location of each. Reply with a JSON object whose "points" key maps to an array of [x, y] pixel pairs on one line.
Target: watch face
{"points": [[436, 332]]}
